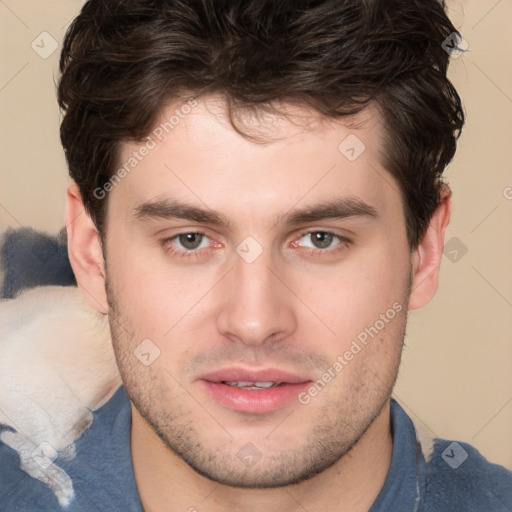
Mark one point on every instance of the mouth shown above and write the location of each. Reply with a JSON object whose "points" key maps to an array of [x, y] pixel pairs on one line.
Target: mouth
{"points": [[254, 392], [253, 385]]}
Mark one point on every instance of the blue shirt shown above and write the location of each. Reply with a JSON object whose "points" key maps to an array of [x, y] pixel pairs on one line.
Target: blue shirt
{"points": [[454, 478]]}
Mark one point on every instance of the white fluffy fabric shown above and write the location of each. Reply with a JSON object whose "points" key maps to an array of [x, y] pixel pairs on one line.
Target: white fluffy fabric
{"points": [[57, 365]]}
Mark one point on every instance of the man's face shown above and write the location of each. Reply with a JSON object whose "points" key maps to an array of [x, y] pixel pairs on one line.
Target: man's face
{"points": [[267, 285]]}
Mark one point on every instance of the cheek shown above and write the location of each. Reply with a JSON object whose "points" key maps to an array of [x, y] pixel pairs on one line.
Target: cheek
{"points": [[155, 299], [353, 295]]}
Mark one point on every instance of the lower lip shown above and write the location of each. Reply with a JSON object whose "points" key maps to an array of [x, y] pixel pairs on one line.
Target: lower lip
{"points": [[254, 400]]}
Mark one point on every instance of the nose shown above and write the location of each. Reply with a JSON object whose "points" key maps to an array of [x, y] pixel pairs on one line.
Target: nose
{"points": [[256, 305]]}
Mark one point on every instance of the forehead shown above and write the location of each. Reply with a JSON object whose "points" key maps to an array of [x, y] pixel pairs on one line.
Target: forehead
{"points": [[195, 155]]}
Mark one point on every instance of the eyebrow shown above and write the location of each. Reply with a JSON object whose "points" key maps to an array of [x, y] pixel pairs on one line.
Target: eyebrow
{"points": [[339, 208]]}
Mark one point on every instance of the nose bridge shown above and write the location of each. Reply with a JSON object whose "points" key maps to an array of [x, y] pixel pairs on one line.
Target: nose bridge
{"points": [[255, 304]]}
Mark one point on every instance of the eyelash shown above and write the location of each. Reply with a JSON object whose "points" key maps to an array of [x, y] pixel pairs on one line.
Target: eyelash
{"points": [[195, 253]]}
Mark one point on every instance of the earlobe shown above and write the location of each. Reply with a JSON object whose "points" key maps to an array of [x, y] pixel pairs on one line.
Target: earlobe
{"points": [[426, 259], [84, 250]]}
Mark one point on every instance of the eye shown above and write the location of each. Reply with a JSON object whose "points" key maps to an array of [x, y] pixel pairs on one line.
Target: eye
{"points": [[189, 245], [190, 241], [321, 241]]}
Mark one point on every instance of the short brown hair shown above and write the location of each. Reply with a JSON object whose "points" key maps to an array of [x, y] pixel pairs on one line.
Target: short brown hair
{"points": [[122, 60]]}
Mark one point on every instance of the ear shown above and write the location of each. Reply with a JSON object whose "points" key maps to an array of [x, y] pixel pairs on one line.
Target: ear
{"points": [[426, 259], [84, 250]]}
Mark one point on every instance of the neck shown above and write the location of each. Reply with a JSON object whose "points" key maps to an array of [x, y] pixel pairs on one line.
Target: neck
{"points": [[166, 482]]}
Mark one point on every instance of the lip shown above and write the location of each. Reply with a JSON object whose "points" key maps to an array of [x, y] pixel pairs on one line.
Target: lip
{"points": [[257, 401]]}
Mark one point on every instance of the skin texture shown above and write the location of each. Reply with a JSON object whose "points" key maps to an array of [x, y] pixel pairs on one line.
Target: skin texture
{"points": [[297, 307]]}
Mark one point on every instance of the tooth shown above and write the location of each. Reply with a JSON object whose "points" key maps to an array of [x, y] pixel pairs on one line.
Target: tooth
{"points": [[239, 383], [265, 384], [252, 385]]}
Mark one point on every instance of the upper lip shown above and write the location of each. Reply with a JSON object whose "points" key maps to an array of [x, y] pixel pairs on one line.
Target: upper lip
{"points": [[263, 375]]}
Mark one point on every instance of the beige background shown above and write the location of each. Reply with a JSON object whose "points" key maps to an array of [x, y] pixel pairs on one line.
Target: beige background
{"points": [[456, 376]]}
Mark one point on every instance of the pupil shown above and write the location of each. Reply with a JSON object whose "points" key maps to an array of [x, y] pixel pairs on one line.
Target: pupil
{"points": [[190, 240], [322, 240]]}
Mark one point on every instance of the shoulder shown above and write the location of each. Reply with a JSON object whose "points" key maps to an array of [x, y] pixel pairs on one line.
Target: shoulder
{"points": [[96, 474], [452, 475], [19, 490], [458, 477]]}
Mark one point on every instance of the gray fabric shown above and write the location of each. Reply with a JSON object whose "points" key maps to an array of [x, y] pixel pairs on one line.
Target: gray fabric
{"points": [[30, 258]]}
